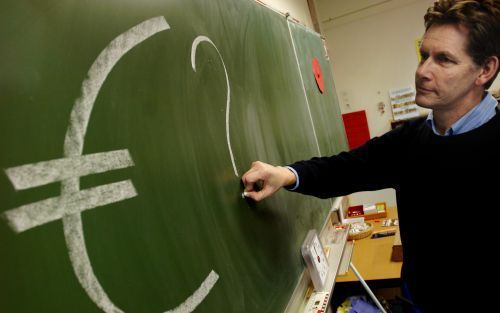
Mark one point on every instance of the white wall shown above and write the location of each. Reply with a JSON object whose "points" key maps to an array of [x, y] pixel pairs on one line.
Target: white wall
{"points": [[372, 53], [371, 197], [298, 9], [371, 44]]}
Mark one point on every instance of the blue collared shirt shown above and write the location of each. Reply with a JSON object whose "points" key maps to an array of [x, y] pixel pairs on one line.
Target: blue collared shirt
{"points": [[297, 183], [476, 117]]}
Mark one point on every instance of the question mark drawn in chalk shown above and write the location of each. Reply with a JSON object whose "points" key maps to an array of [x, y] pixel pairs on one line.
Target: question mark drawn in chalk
{"points": [[68, 170], [196, 42]]}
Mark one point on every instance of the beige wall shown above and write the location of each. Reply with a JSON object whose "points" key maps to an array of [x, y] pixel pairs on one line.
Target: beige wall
{"points": [[371, 44], [298, 9], [372, 47], [372, 53]]}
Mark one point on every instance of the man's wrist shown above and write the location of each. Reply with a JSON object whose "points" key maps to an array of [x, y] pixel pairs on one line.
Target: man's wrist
{"points": [[292, 181]]}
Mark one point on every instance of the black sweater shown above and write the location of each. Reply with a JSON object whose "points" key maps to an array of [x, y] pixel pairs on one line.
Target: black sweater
{"points": [[447, 192]]}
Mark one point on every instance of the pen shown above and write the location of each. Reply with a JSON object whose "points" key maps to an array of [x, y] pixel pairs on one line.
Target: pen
{"points": [[384, 234]]}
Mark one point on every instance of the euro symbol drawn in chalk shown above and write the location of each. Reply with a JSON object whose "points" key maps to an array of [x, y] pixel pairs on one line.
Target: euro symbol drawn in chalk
{"points": [[68, 170]]}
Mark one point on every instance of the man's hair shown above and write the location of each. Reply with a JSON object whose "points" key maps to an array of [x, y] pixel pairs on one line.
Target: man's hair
{"points": [[480, 17]]}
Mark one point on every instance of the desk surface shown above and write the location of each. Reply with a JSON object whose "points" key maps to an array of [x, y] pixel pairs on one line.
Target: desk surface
{"points": [[372, 257]]}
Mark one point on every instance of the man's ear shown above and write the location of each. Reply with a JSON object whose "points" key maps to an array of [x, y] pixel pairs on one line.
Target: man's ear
{"points": [[488, 70]]}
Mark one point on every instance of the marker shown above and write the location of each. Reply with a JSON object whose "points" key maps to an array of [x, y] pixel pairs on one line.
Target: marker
{"points": [[384, 234]]}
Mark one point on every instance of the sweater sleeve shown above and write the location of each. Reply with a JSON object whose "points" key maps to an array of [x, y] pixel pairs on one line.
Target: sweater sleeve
{"points": [[372, 166]]}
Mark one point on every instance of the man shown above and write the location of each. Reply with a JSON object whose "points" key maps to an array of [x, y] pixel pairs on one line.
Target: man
{"points": [[444, 168]]}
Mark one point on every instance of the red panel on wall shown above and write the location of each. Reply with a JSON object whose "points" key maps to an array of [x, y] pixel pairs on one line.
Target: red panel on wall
{"points": [[356, 128]]}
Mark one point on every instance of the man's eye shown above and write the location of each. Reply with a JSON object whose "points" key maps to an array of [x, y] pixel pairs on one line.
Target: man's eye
{"points": [[444, 59]]}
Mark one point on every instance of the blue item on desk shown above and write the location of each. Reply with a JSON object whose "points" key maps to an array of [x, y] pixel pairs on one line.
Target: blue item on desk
{"points": [[357, 304], [384, 234], [360, 305]]}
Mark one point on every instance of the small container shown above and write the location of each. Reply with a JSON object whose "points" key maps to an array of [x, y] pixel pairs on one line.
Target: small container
{"points": [[360, 231], [315, 258]]}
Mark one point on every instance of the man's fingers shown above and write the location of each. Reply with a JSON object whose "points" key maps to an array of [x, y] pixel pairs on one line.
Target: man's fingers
{"points": [[255, 195], [252, 195], [258, 195], [260, 181], [250, 178]]}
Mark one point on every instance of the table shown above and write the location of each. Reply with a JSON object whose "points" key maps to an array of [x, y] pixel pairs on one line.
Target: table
{"points": [[372, 257]]}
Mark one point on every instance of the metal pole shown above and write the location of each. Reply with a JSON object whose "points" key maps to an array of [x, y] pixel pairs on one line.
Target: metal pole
{"points": [[367, 288]]}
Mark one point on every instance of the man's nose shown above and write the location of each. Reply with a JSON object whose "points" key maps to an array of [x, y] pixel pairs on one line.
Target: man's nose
{"points": [[424, 69]]}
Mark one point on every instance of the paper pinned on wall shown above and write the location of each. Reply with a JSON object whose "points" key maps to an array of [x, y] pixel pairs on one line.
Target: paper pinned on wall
{"points": [[418, 43], [403, 103]]}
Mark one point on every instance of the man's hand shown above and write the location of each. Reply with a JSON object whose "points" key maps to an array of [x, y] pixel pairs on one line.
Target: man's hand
{"points": [[272, 178]]}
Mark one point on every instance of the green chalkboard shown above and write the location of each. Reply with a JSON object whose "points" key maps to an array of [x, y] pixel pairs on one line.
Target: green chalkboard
{"points": [[125, 127]]}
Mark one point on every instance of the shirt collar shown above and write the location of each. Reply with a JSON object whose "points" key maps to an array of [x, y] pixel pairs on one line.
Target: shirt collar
{"points": [[476, 117]]}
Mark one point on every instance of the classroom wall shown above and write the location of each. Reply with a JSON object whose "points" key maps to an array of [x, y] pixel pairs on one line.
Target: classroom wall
{"points": [[371, 44], [298, 9], [372, 51]]}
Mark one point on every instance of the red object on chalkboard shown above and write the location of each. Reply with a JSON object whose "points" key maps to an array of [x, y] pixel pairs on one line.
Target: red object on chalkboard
{"points": [[356, 128], [318, 75]]}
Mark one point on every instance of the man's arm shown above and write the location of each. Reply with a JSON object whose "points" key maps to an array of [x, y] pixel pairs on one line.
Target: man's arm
{"points": [[369, 167]]}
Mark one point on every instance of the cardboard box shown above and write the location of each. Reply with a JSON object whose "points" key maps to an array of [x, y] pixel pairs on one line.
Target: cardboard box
{"points": [[374, 211]]}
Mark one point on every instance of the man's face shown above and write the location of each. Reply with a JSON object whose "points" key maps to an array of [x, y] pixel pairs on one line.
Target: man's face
{"points": [[445, 78]]}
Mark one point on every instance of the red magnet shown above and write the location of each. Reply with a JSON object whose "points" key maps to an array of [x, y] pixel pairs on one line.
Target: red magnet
{"points": [[317, 75]]}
